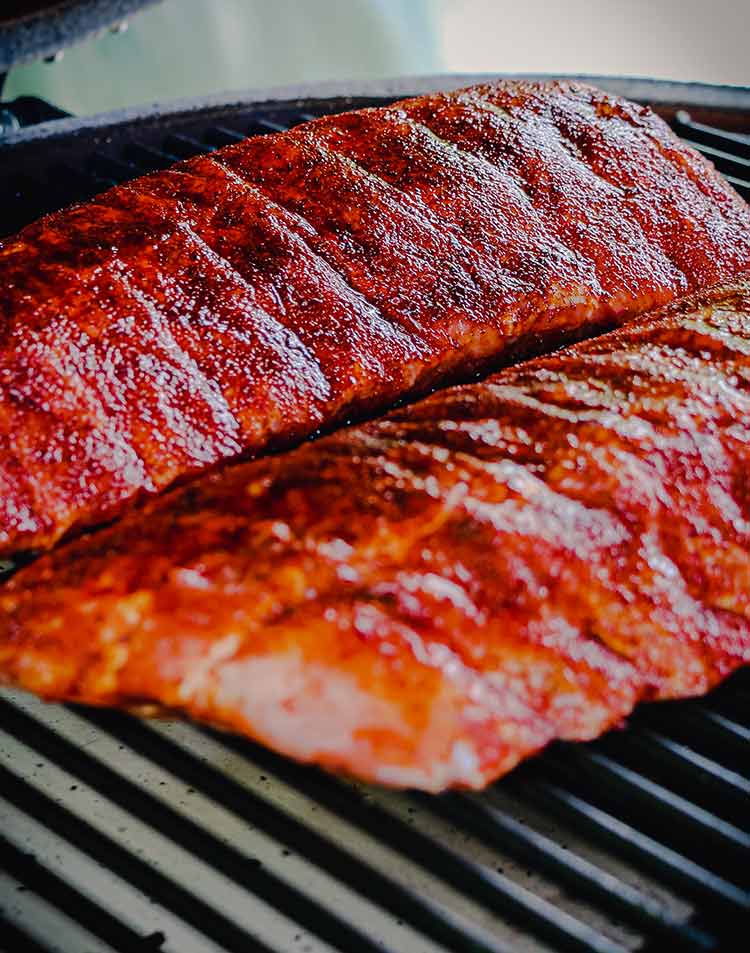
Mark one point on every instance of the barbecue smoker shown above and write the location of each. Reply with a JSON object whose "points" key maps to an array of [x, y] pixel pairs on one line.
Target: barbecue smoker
{"points": [[122, 835]]}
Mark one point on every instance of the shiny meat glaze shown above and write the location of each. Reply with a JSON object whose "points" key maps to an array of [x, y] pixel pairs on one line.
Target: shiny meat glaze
{"points": [[247, 299], [426, 599]]}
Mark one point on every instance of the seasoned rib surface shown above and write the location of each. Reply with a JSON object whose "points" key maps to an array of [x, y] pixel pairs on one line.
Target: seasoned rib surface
{"points": [[246, 299], [426, 599]]}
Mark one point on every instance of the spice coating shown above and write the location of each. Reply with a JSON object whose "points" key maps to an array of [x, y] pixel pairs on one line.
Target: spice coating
{"points": [[244, 300], [426, 599]]}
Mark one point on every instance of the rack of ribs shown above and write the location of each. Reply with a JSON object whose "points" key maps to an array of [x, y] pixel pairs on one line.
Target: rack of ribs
{"points": [[245, 300], [428, 598]]}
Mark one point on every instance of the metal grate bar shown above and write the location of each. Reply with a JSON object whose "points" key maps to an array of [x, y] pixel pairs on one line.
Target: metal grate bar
{"points": [[734, 705], [716, 894], [104, 885], [477, 881], [221, 136], [699, 132], [702, 729], [729, 152], [490, 822], [13, 939], [25, 868], [108, 168], [260, 125], [704, 836], [148, 158], [709, 783], [182, 830], [741, 186], [186, 147], [727, 163], [437, 922], [739, 734], [187, 905], [63, 932]]}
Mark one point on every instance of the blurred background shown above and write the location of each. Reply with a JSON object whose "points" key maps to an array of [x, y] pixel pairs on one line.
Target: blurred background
{"points": [[194, 47]]}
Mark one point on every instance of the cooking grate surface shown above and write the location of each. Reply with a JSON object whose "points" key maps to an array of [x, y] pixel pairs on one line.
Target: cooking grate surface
{"points": [[122, 835]]}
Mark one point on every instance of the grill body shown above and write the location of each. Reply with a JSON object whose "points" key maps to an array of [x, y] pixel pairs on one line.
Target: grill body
{"points": [[121, 835], [34, 30]]}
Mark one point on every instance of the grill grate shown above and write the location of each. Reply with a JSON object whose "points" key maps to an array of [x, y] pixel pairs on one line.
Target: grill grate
{"points": [[123, 836]]}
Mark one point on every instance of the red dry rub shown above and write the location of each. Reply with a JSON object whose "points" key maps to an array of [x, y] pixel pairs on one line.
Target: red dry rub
{"points": [[243, 300], [426, 599]]}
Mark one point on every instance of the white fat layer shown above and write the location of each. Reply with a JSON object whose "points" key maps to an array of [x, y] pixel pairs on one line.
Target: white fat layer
{"points": [[311, 711], [300, 706], [198, 676], [461, 767]]}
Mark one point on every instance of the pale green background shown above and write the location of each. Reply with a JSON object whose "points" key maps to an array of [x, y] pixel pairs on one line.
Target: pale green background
{"points": [[194, 47]]}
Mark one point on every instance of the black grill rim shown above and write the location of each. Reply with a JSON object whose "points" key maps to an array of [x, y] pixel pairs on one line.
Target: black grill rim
{"points": [[341, 95]]}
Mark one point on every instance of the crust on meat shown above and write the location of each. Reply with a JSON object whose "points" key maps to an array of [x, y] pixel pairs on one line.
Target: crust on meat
{"points": [[426, 599], [241, 301]]}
